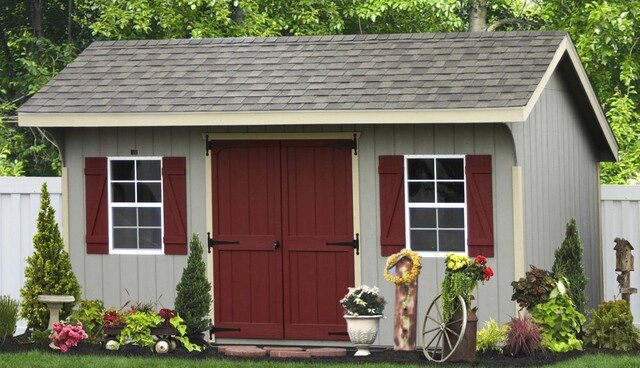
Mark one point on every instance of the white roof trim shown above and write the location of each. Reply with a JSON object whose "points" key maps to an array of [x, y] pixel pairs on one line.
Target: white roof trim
{"points": [[495, 115], [566, 47]]}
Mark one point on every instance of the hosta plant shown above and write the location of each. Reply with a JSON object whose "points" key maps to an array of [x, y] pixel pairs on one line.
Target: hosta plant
{"points": [[491, 336], [66, 336], [523, 337], [611, 327], [560, 321]]}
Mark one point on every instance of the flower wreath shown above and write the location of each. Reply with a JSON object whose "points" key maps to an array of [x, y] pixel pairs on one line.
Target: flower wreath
{"points": [[407, 277]]}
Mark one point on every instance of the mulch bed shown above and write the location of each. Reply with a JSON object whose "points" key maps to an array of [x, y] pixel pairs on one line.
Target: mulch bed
{"points": [[379, 355]]}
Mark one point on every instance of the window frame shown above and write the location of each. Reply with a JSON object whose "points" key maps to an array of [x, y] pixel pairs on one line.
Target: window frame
{"points": [[409, 205], [136, 205]]}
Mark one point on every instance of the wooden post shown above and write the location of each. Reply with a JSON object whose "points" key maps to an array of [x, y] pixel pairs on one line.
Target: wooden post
{"points": [[404, 326]]}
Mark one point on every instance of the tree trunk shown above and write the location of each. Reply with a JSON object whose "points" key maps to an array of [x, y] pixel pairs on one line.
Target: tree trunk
{"points": [[37, 17], [478, 16], [404, 326]]}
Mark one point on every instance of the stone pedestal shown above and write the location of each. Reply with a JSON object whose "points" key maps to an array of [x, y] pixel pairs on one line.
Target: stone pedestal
{"points": [[55, 302]]}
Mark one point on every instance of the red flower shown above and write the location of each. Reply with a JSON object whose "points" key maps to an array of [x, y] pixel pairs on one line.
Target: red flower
{"points": [[488, 272], [166, 313], [481, 259]]}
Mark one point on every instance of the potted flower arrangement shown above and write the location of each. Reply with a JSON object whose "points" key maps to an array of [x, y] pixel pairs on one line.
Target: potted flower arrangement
{"points": [[363, 308], [462, 275]]}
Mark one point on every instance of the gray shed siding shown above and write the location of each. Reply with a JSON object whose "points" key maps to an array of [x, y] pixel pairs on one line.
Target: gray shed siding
{"points": [[560, 178], [120, 278]]}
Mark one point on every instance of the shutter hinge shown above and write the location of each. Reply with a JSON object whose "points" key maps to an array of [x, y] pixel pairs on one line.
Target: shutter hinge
{"points": [[340, 333], [355, 244], [212, 242], [354, 144], [215, 329], [208, 146]]}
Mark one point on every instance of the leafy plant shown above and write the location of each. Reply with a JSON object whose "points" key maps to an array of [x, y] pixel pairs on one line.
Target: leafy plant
{"points": [[363, 301], [560, 322], [8, 316], [66, 336], [137, 328], [523, 337], [534, 288], [491, 336], [611, 327], [179, 324], [48, 269], [461, 277], [91, 315], [40, 336], [193, 298], [112, 318]]}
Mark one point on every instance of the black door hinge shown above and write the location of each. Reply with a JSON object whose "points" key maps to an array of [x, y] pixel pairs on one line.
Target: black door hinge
{"points": [[208, 145], [215, 329], [212, 242], [355, 243], [341, 333]]}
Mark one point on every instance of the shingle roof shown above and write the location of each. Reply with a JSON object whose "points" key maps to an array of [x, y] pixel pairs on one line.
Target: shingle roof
{"points": [[364, 72]]}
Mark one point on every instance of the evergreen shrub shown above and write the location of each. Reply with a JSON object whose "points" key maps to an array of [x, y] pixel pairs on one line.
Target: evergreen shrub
{"points": [[48, 269], [570, 265], [193, 298], [611, 327]]}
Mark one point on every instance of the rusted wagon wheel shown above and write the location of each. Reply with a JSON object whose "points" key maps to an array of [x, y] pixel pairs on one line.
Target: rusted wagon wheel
{"points": [[441, 338]]}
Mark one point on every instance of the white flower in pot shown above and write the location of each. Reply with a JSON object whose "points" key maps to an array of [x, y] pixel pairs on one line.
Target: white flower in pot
{"points": [[363, 309]]}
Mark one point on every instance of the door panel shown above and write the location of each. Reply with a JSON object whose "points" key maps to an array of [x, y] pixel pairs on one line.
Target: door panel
{"points": [[247, 208], [317, 208]]}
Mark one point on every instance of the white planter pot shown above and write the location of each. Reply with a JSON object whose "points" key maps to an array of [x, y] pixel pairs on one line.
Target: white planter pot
{"points": [[362, 332]]}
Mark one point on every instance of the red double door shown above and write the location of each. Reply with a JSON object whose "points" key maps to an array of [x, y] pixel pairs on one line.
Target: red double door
{"points": [[282, 202]]}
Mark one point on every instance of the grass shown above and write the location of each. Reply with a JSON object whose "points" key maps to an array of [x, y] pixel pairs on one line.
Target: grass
{"points": [[40, 359]]}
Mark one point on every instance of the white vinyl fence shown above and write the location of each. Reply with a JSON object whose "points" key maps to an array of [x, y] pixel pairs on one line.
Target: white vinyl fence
{"points": [[620, 206], [19, 206]]}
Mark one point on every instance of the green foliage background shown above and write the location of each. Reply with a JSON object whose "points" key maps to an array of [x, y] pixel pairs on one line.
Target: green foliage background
{"points": [[605, 33], [193, 292]]}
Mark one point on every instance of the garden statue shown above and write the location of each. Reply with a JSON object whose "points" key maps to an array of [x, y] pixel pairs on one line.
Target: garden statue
{"points": [[624, 265], [407, 268]]}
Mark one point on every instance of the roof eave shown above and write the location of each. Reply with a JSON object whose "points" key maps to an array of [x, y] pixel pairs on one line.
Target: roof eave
{"points": [[257, 118], [566, 47]]}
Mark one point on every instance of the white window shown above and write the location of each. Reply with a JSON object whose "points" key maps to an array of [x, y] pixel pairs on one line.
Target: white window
{"points": [[435, 204], [135, 205]]}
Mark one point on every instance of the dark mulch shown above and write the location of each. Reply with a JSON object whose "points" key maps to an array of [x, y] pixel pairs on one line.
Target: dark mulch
{"points": [[379, 355]]}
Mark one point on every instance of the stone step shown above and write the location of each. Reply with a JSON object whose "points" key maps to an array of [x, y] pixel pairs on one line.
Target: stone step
{"points": [[327, 352], [276, 353], [223, 348], [245, 352], [282, 348]]}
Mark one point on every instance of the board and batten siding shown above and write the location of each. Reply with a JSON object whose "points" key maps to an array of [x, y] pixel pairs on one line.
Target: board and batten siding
{"points": [[560, 179], [19, 207], [620, 205], [120, 278]]}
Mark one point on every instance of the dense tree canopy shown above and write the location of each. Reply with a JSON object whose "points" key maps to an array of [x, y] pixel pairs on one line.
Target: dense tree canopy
{"points": [[38, 38]]}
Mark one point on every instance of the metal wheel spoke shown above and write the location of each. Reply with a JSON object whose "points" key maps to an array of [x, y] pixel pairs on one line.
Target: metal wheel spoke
{"points": [[433, 319], [452, 322], [431, 330], [448, 340], [453, 332], [438, 342], [433, 338], [439, 313]]}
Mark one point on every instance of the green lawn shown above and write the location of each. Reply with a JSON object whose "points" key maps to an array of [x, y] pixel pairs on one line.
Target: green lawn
{"points": [[40, 359]]}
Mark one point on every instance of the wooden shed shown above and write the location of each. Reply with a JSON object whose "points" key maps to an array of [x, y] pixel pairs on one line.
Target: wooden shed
{"points": [[310, 159]]}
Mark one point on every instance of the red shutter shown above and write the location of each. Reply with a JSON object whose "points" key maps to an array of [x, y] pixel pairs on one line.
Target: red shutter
{"points": [[97, 206], [479, 205], [174, 193], [392, 231]]}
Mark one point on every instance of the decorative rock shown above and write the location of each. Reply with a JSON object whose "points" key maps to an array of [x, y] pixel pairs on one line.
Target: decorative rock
{"points": [[223, 348], [289, 354], [245, 352], [282, 348], [327, 352]]}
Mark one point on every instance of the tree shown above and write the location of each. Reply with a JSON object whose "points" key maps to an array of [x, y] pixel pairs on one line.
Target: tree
{"points": [[569, 264], [48, 269], [193, 299]]}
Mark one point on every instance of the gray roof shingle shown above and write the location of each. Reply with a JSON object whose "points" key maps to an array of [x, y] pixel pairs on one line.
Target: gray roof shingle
{"points": [[363, 72]]}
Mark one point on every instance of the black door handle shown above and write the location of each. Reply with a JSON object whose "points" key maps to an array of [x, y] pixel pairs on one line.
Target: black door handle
{"points": [[276, 244]]}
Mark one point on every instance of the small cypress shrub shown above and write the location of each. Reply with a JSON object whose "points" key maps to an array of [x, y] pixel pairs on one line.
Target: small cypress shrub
{"points": [[48, 269], [568, 263], [193, 299], [8, 316], [611, 327]]}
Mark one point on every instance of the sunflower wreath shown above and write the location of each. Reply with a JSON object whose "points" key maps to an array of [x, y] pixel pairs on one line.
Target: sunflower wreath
{"points": [[407, 277]]}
